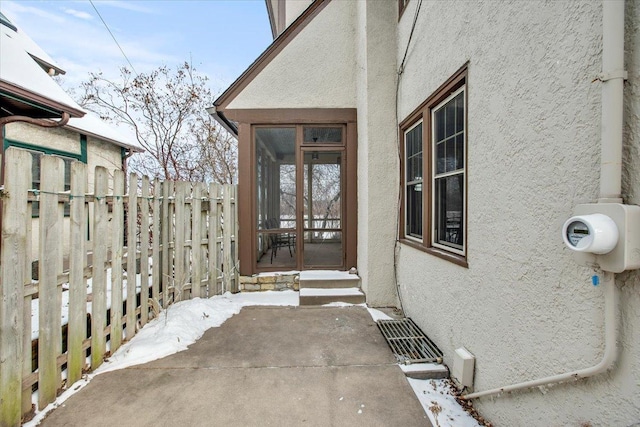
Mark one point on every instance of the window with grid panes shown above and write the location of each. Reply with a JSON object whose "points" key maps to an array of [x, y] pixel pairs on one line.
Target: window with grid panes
{"points": [[434, 172]]}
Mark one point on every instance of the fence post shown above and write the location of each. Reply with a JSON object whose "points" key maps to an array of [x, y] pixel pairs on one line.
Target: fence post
{"points": [[99, 287], [14, 218], [117, 243], [77, 329], [132, 223], [144, 252], [49, 262]]}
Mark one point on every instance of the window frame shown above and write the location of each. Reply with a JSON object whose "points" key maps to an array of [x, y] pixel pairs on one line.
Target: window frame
{"points": [[407, 184], [456, 84]]}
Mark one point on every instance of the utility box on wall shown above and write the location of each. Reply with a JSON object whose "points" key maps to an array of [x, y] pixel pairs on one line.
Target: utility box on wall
{"points": [[586, 226], [463, 367]]}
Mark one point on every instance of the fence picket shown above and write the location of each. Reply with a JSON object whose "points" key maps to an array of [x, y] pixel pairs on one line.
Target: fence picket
{"points": [[99, 283], [77, 330], [196, 240], [144, 252], [179, 279], [117, 243], [132, 223], [214, 226], [166, 220], [27, 353], [17, 182], [228, 221], [50, 316], [155, 250], [234, 232]]}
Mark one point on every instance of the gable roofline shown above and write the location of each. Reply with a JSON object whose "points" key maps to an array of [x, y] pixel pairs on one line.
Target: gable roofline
{"points": [[269, 54], [272, 19]]}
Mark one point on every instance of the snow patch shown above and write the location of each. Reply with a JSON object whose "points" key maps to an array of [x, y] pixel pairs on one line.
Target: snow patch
{"points": [[327, 275], [440, 405]]}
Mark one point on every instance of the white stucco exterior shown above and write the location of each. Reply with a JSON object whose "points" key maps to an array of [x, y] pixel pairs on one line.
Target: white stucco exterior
{"points": [[523, 306], [294, 8], [316, 69]]}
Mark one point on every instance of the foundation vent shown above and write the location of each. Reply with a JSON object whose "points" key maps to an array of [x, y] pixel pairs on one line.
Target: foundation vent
{"points": [[408, 342]]}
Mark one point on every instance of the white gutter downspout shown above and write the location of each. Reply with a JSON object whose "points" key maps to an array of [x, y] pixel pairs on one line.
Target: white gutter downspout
{"points": [[612, 77]]}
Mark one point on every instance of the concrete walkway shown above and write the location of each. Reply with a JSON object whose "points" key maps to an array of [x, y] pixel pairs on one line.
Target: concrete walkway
{"points": [[267, 366]]}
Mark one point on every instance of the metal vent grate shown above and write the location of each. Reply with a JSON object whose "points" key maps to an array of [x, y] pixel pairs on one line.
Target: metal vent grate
{"points": [[408, 342]]}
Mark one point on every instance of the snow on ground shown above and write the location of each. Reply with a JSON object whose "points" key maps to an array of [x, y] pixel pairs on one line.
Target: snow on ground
{"points": [[440, 405], [183, 323]]}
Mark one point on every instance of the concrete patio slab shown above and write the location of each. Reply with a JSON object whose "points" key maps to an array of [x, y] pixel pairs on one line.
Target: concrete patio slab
{"points": [[263, 367]]}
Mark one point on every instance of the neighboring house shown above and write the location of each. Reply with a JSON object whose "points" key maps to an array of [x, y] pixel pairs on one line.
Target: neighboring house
{"points": [[27, 89], [462, 145]]}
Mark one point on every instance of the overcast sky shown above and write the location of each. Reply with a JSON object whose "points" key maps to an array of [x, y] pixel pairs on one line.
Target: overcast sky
{"points": [[220, 38]]}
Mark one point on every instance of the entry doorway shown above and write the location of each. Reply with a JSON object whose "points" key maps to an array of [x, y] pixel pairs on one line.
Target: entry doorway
{"points": [[300, 187]]}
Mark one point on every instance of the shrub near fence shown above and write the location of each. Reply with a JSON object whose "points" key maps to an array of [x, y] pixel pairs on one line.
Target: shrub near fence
{"points": [[165, 242]]}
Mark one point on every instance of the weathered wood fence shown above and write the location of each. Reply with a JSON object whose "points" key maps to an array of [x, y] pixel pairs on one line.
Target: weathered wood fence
{"points": [[162, 243]]}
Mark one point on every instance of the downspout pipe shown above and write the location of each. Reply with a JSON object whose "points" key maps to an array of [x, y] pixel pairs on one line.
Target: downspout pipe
{"points": [[612, 78]]}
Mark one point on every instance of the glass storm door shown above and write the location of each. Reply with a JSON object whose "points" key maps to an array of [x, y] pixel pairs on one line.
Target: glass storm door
{"points": [[322, 219]]}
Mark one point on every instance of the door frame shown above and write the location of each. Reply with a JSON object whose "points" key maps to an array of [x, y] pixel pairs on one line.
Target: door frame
{"points": [[301, 150], [247, 119]]}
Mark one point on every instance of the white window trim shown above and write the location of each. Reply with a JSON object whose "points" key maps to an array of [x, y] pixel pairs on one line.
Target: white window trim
{"points": [[463, 171], [406, 185]]}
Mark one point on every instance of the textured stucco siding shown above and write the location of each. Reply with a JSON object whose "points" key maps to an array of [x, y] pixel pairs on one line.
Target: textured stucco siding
{"points": [[54, 138], [294, 8], [315, 70], [105, 154], [524, 308], [377, 147]]}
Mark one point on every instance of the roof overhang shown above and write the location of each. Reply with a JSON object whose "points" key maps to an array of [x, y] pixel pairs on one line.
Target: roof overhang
{"points": [[219, 117], [15, 100]]}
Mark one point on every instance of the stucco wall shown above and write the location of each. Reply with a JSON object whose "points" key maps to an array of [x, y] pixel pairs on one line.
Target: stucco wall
{"points": [[524, 308], [55, 138], [315, 70], [294, 8], [377, 150]]}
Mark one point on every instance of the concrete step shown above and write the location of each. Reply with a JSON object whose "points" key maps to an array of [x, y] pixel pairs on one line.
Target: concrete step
{"points": [[322, 296], [328, 279], [425, 371]]}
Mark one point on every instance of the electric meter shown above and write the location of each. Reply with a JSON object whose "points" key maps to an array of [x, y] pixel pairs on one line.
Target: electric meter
{"points": [[605, 234], [595, 233]]}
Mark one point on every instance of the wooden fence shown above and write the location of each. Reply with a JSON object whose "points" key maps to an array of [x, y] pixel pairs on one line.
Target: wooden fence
{"points": [[165, 242]]}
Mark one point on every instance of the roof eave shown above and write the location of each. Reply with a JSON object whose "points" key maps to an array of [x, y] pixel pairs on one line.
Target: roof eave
{"points": [[34, 98], [219, 117]]}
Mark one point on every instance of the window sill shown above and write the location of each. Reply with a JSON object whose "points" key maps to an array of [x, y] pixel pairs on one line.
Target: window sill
{"points": [[442, 254]]}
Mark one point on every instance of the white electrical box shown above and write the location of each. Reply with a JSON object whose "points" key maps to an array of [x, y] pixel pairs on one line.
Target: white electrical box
{"points": [[463, 367], [606, 234]]}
